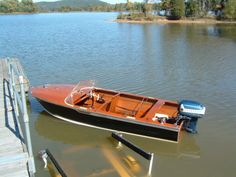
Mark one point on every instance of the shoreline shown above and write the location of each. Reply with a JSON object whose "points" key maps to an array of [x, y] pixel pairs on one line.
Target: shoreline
{"points": [[181, 21], [141, 21]]}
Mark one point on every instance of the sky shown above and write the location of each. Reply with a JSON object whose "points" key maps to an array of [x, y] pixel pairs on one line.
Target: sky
{"points": [[109, 1]]}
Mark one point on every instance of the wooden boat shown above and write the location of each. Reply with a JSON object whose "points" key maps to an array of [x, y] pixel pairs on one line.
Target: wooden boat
{"points": [[87, 105]]}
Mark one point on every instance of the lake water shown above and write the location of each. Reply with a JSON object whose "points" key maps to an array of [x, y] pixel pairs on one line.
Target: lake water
{"points": [[169, 61]]}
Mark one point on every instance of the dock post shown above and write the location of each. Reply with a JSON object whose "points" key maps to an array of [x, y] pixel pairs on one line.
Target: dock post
{"points": [[32, 168], [150, 165]]}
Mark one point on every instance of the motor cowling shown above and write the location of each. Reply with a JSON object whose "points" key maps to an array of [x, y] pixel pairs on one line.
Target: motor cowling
{"points": [[192, 111]]}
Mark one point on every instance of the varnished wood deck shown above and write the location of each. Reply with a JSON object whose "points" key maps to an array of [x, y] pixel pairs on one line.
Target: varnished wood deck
{"points": [[13, 159]]}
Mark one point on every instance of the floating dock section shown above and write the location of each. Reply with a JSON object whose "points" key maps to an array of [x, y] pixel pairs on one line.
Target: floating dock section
{"points": [[14, 155]]}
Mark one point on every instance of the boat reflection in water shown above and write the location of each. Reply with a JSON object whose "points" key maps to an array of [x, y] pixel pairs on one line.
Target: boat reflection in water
{"points": [[83, 144]]}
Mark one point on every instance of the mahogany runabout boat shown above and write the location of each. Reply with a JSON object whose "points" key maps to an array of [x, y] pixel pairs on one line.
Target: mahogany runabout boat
{"points": [[87, 105]]}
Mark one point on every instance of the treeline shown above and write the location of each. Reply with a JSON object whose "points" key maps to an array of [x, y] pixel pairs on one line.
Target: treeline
{"points": [[15, 6], [221, 9], [176, 9]]}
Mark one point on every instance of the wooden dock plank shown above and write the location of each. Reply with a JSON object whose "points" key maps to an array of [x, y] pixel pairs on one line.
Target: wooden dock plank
{"points": [[13, 159], [16, 170]]}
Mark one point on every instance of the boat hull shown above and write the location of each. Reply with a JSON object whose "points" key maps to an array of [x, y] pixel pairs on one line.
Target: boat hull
{"points": [[110, 123]]}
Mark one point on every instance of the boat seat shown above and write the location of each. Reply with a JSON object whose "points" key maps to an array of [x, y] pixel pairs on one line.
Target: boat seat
{"points": [[107, 104], [81, 98], [125, 111]]}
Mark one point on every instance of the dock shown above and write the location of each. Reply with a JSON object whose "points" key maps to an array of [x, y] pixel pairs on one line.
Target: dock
{"points": [[15, 159]]}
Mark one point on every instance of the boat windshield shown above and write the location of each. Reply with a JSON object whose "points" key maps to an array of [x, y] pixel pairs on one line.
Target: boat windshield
{"points": [[83, 86]]}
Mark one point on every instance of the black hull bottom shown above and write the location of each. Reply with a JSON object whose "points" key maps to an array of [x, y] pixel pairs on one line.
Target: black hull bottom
{"points": [[75, 116]]}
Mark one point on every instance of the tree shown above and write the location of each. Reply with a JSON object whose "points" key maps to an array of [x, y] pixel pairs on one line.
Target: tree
{"points": [[202, 4], [129, 5], [164, 5], [27, 6], [146, 7], [176, 9], [10, 6], [3, 7], [191, 8], [229, 12], [200, 8]]}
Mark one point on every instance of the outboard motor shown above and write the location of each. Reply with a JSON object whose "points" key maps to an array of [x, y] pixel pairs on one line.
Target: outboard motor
{"points": [[191, 111]]}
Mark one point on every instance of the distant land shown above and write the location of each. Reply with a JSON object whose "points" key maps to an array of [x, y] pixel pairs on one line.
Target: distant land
{"points": [[134, 12], [71, 4]]}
